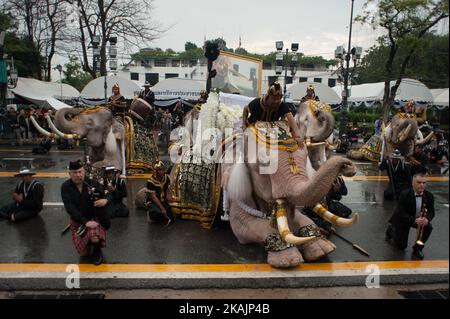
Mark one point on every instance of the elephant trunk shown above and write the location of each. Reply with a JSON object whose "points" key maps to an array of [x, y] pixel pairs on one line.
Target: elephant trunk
{"points": [[283, 226], [335, 220], [65, 125], [327, 123]]}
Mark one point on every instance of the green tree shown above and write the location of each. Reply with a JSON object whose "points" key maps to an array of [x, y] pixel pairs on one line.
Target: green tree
{"points": [[429, 64], [406, 23], [188, 46], [74, 74]]}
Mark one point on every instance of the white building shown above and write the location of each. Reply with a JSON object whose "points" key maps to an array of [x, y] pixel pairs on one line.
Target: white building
{"points": [[154, 70]]}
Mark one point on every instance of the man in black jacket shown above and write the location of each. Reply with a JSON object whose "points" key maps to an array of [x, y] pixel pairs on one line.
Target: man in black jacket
{"points": [[116, 187], [86, 203], [28, 199], [415, 208], [399, 172]]}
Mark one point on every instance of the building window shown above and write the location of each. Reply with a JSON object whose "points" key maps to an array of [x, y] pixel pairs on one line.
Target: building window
{"points": [[186, 75], [175, 63], [289, 80], [171, 75], [303, 80], [193, 63], [331, 83], [160, 63], [134, 76], [152, 78], [318, 80]]}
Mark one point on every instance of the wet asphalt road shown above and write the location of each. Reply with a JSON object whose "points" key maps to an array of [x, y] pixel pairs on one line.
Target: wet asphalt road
{"points": [[134, 241]]}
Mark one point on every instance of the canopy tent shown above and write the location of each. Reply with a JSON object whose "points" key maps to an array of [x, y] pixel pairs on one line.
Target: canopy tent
{"points": [[372, 93], [441, 97], [176, 88], [324, 92], [95, 89], [44, 93], [235, 99]]}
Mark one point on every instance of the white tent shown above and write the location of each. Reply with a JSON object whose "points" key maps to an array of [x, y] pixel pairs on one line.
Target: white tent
{"points": [[96, 88], [441, 97], [235, 99], [326, 94], [371, 93], [175, 88], [44, 93]]}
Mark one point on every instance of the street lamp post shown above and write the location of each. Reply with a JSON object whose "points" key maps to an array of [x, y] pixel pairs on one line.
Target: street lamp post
{"points": [[341, 54], [282, 62]]}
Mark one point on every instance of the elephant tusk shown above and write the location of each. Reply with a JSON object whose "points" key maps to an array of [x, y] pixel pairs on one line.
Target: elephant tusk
{"points": [[331, 147], [41, 130], [283, 226], [335, 220], [59, 133], [310, 144], [425, 140]]}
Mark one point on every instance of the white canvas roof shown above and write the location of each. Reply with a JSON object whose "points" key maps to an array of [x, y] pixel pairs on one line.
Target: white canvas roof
{"points": [[370, 92], [324, 92], [96, 88], [44, 93], [174, 88], [441, 97]]}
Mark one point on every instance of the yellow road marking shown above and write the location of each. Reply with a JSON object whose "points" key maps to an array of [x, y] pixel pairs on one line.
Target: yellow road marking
{"points": [[432, 264]]}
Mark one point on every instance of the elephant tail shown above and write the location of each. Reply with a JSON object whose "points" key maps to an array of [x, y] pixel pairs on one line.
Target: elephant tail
{"points": [[239, 185]]}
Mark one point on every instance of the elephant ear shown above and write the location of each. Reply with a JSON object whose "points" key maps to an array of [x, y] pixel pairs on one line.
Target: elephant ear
{"points": [[239, 185]]}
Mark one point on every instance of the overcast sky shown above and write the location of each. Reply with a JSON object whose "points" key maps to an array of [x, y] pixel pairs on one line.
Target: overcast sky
{"points": [[318, 25]]}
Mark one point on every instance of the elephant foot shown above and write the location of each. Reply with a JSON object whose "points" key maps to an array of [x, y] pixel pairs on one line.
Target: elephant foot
{"points": [[287, 258], [317, 249]]}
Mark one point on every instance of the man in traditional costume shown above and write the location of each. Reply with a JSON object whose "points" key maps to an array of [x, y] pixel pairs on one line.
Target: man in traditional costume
{"points": [[28, 199], [399, 173], [86, 203], [159, 196], [117, 102], [147, 94], [270, 108], [310, 95]]}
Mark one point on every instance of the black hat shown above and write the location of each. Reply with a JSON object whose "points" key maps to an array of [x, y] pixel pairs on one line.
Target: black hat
{"points": [[25, 172], [147, 84], [75, 165]]}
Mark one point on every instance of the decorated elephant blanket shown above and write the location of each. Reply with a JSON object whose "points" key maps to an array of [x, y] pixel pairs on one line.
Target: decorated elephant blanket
{"points": [[141, 150], [196, 190]]}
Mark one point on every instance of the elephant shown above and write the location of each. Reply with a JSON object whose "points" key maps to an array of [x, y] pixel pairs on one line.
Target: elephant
{"points": [[103, 133], [402, 133], [316, 124], [254, 197]]}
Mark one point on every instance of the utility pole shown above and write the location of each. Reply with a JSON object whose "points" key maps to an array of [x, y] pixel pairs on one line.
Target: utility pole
{"points": [[346, 75]]}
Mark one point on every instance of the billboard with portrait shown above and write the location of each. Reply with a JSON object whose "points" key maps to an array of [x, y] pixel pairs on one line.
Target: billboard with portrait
{"points": [[238, 74]]}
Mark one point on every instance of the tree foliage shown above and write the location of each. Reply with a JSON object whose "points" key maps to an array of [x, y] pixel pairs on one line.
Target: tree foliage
{"points": [[429, 64], [406, 23], [74, 74]]}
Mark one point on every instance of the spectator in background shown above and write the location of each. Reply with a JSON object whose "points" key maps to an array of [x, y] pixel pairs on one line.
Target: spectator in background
{"points": [[14, 124], [379, 126], [21, 119], [419, 161]]}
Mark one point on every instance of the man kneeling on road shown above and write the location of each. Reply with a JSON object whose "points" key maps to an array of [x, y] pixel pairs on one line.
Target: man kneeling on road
{"points": [[158, 196], [28, 199], [86, 203]]}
